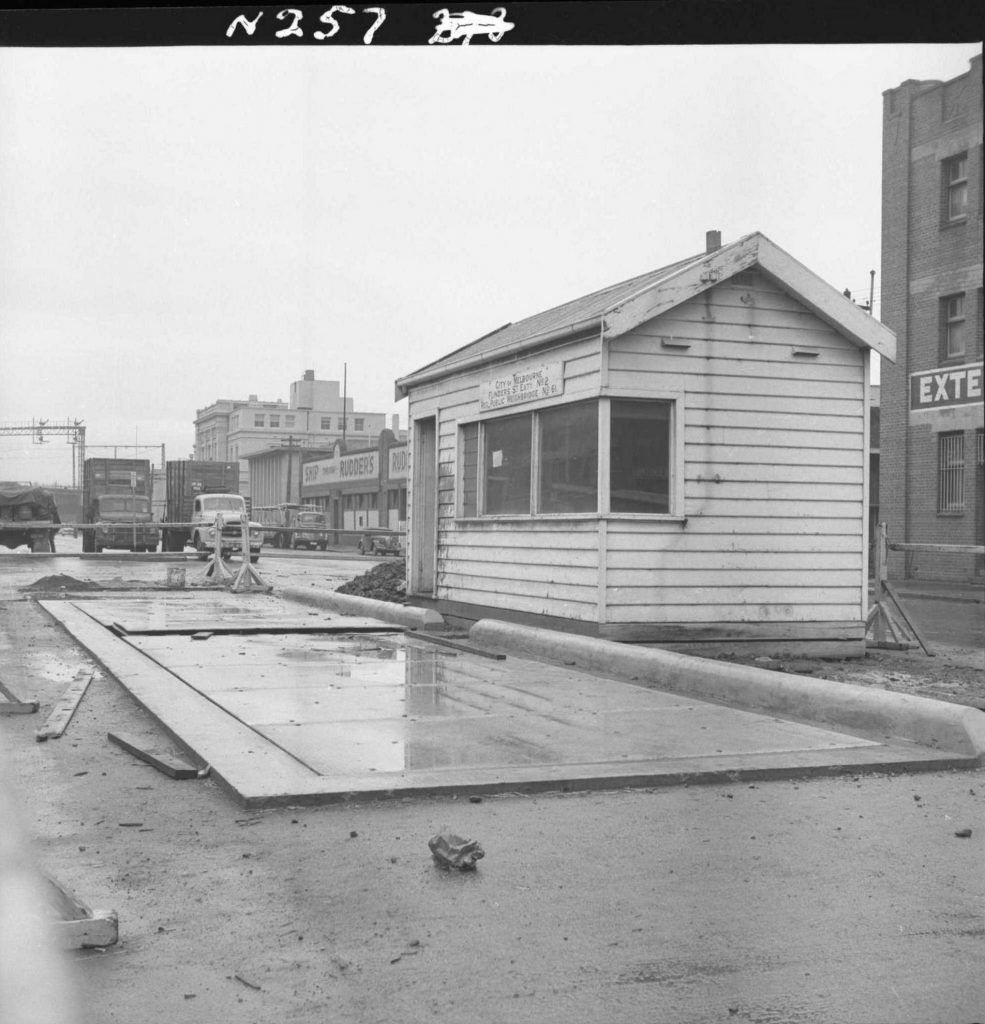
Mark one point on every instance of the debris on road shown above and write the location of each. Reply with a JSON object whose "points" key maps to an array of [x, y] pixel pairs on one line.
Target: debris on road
{"points": [[963, 833], [163, 761], [451, 851], [63, 711], [60, 581], [11, 704], [384, 582], [77, 926]]}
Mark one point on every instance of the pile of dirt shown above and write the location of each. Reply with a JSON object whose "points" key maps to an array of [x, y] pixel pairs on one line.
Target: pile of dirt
{"points": [[61, 582], [384, 582]]}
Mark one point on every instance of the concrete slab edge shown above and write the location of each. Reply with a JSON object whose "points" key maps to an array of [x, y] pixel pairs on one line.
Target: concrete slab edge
{"points": [[874, 713], [351, 604]]}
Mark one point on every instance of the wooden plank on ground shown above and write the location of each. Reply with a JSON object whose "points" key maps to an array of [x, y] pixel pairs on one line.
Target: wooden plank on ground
{"points": [[162, 760], [11, 704], [63, 711], [18, 707], [76, 925], [240, 759]]}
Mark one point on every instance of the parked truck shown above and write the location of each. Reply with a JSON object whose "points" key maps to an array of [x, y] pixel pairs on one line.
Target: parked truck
{"points": [[292, 525], [116, 495], [24, 511], [195, 493]]}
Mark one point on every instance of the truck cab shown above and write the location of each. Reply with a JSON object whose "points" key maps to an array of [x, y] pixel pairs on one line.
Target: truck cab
{"points": [[122, 521], [229, 508], [310, 530]]}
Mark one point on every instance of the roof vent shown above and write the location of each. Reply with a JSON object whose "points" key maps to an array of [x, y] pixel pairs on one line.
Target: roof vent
{"points": [[713, 240], [309, 374]]}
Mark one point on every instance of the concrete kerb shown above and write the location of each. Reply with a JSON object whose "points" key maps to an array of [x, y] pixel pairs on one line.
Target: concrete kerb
{"points": [[873, 713], [351, 604]]}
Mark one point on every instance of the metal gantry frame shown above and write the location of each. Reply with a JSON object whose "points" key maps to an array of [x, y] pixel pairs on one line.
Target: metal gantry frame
{"points": [[73, 431]]}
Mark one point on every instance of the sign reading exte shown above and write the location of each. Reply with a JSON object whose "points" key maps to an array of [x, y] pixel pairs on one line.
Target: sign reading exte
{"points": [[522, 385], [945, 387]]}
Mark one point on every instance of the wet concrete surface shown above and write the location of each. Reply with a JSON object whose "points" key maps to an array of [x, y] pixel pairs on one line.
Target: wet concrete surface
{"points": [[812, 901], [378, 713]]}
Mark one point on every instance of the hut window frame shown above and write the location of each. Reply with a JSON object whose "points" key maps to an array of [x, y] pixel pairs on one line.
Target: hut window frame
{"points": [[536, 486]]}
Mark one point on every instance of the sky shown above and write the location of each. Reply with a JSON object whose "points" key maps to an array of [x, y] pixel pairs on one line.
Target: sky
{"points": [[184, 224]]}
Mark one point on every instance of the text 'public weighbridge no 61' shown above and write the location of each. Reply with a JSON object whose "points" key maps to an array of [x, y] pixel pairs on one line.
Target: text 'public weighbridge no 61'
{"points": [[681, 457]]}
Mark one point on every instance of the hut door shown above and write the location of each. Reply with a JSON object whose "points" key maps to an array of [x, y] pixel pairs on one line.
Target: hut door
{"points": [[424, 507]]}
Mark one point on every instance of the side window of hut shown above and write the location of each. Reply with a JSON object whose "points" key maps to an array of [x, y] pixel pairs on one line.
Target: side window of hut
{"points": [[506, 461], [639, 458], [569, 458], [470, 469]]}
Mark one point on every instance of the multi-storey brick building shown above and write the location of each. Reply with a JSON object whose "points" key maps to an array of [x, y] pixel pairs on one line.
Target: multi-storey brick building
{"points": [[317, 416], [931, 488]]}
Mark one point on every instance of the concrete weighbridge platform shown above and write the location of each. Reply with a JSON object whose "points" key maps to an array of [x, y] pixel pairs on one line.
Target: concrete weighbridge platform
{"points": [[304, 705]]}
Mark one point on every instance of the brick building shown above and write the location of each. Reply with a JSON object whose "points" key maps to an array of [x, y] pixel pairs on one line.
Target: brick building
{"points": [[317, 415], [931, 488]]}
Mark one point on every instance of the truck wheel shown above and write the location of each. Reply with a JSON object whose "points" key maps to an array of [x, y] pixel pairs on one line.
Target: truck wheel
{"points": [[151, 549], [254, 558], [322, 547], [200, 549], [41, 544]]}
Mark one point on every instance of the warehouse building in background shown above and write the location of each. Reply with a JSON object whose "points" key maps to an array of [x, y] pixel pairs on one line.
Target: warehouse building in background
{"points": [[318, 415], [931, 456]]}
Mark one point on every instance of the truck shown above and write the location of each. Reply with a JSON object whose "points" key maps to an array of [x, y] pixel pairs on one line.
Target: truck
{"points": [[291, 525], [116, 496], [24, 511], [195, 493]]}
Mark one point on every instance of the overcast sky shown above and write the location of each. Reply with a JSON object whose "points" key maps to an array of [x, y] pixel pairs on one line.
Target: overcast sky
{"points": [[179, 225]]}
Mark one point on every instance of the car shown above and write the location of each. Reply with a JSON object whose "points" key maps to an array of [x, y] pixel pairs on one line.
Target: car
{"points": [[379, 544]]}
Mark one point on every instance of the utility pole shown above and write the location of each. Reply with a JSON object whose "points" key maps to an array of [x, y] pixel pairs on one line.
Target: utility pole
{"points": [[345, 403], [290, 460]]}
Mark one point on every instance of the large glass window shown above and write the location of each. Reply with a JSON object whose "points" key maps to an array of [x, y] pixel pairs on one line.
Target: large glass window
{"points": [[639, 457], [547, 462], [506, 459], [569, 458]]}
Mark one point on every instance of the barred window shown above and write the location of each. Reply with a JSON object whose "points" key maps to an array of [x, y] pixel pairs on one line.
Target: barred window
{"points": [[950, 475], [955, 183]]}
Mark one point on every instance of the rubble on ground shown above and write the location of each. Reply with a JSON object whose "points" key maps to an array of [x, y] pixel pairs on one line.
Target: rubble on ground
{"points": [[384, 582], [60, 581]]}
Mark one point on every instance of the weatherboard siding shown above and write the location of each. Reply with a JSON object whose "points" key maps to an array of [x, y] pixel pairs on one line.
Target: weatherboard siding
{"points": [[774, 465], [773, 478], [536, 566]]}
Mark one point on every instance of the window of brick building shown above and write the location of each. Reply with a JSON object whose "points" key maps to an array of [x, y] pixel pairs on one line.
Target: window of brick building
{"points": [[274, 421], [955, 188], [326, 422], [288, 421], [258, 419], [950, 473], [360, 424], [953, 332]]}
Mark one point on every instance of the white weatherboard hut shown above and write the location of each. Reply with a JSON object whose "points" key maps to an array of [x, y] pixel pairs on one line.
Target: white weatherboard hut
{"points": [[681, 458]]}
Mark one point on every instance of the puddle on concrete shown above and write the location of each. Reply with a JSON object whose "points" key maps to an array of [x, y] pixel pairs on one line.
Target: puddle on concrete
{"points": [[362, 703]]}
